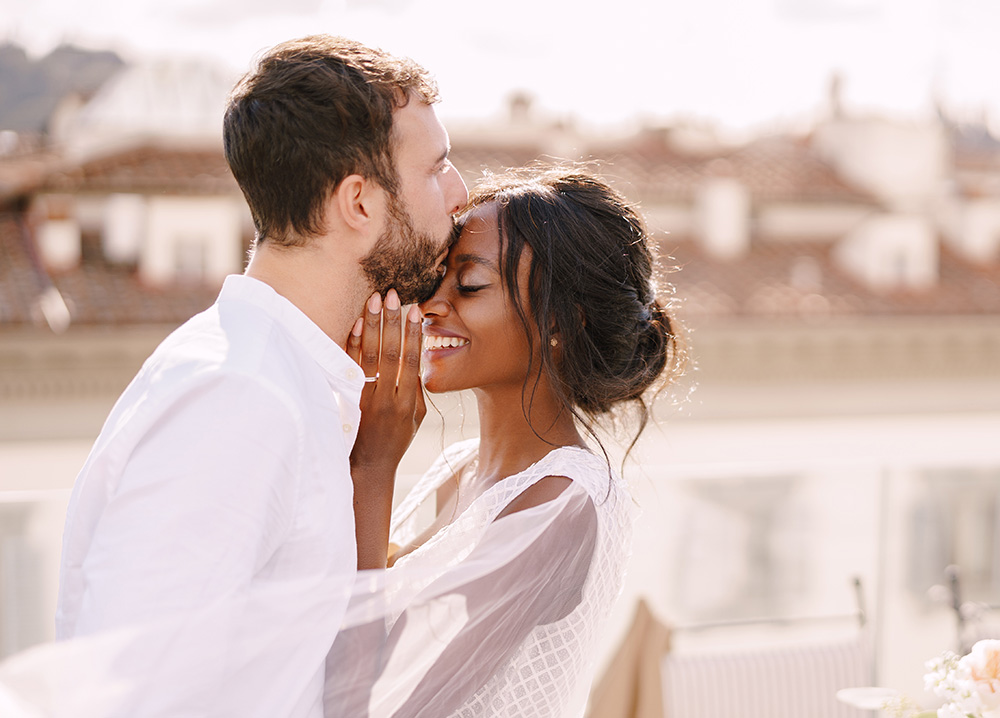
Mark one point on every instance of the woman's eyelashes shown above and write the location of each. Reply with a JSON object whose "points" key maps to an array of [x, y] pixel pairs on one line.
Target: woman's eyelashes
{"points": [[472, 280]]}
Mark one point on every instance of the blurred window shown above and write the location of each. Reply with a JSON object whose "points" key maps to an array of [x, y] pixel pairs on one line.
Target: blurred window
{"points": [[743, 553], [956, 520]]}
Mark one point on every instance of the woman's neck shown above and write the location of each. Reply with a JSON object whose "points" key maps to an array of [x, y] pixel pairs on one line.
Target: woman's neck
{"points": [[509, 442]]}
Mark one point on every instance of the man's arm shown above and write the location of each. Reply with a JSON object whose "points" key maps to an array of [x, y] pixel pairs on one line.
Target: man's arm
{"points": [[202, 502]]}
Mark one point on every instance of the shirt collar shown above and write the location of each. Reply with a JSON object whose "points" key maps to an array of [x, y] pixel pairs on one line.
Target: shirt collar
{"points": [[341, 370]]}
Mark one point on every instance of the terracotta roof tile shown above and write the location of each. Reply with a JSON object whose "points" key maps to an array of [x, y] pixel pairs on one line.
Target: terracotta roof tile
{"points": [[149, 169], [95, 293], [786, 281], [772, 169], [800, 281]]}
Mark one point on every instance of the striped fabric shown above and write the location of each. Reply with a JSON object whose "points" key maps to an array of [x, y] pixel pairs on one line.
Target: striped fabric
{"points": [[789, 682]]}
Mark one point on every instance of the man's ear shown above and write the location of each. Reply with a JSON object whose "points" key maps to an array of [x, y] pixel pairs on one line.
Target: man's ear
{"points": [[358, 201]]}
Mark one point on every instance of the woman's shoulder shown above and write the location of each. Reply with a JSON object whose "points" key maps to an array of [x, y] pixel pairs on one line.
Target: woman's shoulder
{"points": [[594, 473], [561, 467]]}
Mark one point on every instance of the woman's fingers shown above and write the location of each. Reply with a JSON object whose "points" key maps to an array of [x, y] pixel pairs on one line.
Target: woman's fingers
{"points": [[370, 336], [409, 370], [354, 341], [387, 347], [388, 365], [392, 407]]}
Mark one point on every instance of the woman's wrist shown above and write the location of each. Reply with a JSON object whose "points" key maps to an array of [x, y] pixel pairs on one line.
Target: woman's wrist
{"points": [[373, 487], [374, 480]]}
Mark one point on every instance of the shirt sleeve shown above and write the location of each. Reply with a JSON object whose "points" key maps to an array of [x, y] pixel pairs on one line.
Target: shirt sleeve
{"points": [[465, 626], [203, 500]]}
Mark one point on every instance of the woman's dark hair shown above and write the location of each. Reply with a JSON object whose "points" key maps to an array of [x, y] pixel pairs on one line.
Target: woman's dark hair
{"points": [[312, 112], [590, 287]]}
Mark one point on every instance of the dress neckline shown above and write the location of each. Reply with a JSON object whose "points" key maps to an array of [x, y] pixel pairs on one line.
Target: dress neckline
{"points": [[468, 452]]}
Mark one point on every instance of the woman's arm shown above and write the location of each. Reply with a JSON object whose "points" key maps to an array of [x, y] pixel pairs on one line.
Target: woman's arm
{"points": [[391, 411], [529, 569]]}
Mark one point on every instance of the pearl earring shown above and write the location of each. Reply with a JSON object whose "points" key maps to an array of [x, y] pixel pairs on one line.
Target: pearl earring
{"points": [[554, 342]]}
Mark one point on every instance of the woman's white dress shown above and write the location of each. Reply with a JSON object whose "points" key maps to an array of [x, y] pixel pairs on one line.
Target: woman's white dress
{"points": [[505, 612]]}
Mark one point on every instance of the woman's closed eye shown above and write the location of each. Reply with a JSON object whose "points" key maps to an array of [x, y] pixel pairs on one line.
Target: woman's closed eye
{"points": [[470, 288], [471, 279]]}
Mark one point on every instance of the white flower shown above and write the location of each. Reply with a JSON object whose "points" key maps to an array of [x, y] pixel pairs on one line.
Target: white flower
{"points": [[950, 710], [946, 676], [982, 668]]}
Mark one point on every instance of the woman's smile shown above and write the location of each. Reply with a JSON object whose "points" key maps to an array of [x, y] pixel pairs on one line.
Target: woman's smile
{"points": [[473, 337], [435, 343]]}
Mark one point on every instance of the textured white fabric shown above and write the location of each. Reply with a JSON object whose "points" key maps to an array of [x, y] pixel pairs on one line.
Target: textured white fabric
{"points": [[221, 470], [492, 617], [499, 616]]}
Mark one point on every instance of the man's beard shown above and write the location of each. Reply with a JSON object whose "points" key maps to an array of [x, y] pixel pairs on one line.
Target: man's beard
{"points": [[404, 259]]}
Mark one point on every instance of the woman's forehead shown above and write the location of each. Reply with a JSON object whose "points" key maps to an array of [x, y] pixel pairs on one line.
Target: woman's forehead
{"points": [[479, 229]]}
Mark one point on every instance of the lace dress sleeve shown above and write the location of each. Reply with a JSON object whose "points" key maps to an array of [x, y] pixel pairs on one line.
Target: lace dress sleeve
{"points": [[527, 570]]}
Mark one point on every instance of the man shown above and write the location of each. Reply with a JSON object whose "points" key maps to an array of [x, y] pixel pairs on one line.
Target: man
{"points": [[223, 470]]}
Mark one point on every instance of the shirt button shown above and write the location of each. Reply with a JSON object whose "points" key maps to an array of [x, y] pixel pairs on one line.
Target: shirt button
{"points": [[347, 428], [352, 373]]}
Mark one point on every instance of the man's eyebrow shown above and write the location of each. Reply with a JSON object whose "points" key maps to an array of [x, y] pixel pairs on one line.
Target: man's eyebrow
{"points": [[444, 155], [476, 259]]}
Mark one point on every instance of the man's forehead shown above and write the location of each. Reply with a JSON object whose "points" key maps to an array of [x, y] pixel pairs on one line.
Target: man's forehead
{"points": [[416, 128]]}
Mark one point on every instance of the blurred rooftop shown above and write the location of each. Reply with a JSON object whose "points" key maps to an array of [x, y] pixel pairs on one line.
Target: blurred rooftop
{"points": [[858, 217]]}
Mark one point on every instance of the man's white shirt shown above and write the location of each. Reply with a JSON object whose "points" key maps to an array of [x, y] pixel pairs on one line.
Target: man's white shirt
{"points": [[221, 473]]}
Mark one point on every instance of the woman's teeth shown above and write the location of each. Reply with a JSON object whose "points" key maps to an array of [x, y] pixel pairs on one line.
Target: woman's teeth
{"points": [[431, 343]]}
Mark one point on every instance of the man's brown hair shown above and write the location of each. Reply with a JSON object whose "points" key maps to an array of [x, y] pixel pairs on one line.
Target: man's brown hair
{"points": [[312, 112]]}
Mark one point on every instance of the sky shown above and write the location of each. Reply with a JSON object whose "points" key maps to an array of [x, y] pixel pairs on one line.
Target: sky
{"points": [[738, 64]]}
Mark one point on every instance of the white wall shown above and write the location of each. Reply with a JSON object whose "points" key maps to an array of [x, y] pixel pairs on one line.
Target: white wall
{"points": [[901, 163], [892, 250], [125, 225], [972, 227], [193, 238], [59, 243], [722, 217]]}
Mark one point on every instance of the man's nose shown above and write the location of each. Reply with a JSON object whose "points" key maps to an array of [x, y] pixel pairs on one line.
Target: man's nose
{"points": [[461, 193]]}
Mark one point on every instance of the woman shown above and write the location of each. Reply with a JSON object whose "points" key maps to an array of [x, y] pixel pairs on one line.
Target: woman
{"points": [[548, 312]]}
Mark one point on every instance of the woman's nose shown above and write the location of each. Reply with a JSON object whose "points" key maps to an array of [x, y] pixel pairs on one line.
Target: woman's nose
{"points": [[436, 306]]}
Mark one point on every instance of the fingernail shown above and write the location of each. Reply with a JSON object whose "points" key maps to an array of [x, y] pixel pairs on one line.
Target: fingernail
{"points": [[392, 300], [414, 314], [358, 326], [375, 304]]}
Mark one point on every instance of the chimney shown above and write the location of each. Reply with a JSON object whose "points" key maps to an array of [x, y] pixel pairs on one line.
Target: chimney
{"points": [[519, 106], [124, 228], [722, 213], [58, 232]]}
